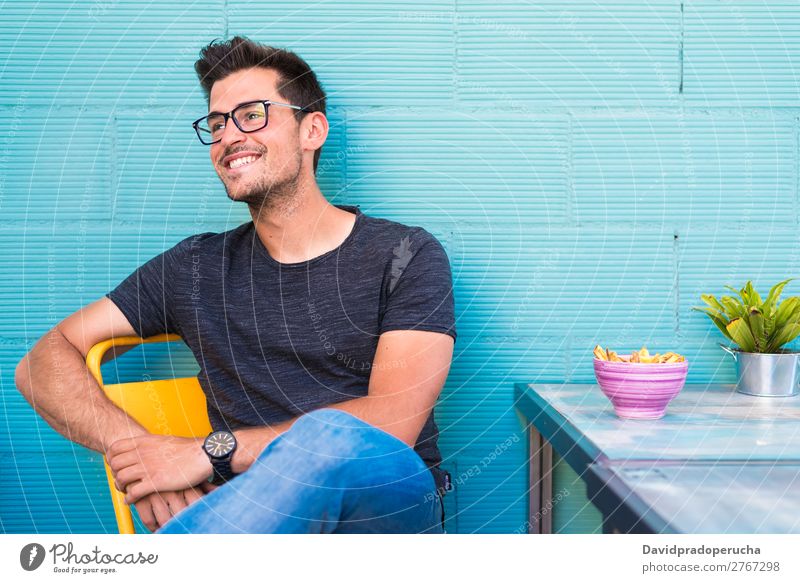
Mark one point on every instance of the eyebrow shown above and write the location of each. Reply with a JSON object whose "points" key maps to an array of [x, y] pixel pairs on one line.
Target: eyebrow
{"points": [[237, 105]]}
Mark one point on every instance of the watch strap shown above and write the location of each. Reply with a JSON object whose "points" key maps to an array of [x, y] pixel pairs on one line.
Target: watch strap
{"points": [[222, 471]]}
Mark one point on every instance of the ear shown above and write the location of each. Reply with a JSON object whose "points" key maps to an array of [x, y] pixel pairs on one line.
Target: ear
{"points": [[313, 130]]}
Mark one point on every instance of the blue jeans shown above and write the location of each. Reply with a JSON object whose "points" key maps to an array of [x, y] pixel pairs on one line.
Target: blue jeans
{"points": [[330, 473]]}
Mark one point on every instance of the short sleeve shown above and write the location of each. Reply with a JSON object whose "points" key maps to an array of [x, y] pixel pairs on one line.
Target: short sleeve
{"points": [[146, 296], [419, 287]]}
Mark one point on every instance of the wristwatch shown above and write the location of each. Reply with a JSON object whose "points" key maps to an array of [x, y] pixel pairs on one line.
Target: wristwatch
{"points": [[219, 447]]}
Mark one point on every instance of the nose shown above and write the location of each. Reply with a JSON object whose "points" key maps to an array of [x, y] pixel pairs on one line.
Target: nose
{"points": [[231, 134]]}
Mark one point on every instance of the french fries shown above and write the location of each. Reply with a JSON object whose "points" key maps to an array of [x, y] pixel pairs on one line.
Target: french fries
{"points": [[640, 356], [612, 356]]}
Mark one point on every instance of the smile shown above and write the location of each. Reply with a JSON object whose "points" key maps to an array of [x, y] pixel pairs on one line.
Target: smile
{"points": [[242, 162]]}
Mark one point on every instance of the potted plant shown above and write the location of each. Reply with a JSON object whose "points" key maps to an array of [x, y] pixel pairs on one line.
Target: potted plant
{"points": [[760, 328]]}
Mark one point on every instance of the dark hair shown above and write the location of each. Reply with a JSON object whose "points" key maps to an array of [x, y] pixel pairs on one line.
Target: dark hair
{"points": [[297, 83]]}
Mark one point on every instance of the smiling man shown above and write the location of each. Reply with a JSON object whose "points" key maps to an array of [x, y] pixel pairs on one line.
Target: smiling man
{"points": [[324, 337]]}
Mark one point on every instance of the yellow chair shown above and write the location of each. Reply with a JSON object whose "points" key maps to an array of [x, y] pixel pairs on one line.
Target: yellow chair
{"points": [[165, 407]]}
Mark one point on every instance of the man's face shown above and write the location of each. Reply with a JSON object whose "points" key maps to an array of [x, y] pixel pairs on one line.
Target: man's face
{"points": [[278, 154]]}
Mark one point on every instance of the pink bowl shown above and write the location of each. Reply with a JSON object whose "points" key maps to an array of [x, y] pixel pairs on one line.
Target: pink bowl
{"points": [[640, 390]]}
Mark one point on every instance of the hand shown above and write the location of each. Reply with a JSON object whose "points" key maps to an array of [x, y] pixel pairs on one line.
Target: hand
{"points": [[157, 508], [157, 463]]}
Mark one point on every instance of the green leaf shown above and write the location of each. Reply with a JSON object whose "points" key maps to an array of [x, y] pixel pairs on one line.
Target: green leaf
{"points": [[773, 296], [785, 312], [756, 321], [740, 332], [786, 316], [753, 299], [712, 302], [738, 292], [785, 335], [756, 325], [733, 307], [769, 306], [719, 320], [769, 324]]}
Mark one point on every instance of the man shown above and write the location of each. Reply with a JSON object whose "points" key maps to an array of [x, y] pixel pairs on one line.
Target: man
{"points": [[324, 337]]}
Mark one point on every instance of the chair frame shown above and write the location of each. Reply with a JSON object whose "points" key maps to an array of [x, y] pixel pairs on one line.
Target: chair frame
{"points": [[174, 406]]}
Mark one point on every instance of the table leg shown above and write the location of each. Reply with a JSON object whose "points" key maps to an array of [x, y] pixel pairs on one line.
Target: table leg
{"points": [[540, 483]]}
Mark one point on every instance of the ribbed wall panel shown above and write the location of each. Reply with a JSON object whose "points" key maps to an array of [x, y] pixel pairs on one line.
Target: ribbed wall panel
{"points": [[564, 281], [53, 272], [55, 492], [55, 166], [104, 53], [675, 169], [590, 168], [425, 163], [364, 53], [742, 54], [554, 53], [31, 435], [481, 357], [489, 487]]}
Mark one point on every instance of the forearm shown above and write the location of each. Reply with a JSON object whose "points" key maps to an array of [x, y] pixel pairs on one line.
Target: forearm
{"points": [[54, 379], [401, 417]]}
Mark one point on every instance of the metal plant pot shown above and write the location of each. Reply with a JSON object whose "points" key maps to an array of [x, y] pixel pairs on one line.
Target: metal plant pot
{"points": [[766, 375]]}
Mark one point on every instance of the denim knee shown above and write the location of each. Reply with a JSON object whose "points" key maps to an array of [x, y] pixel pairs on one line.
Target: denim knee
{"points": [[339, 431], [329, 415], [346, 440]]}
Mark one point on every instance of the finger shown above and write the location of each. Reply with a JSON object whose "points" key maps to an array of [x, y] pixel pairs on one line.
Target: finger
{"points": [[122, 487], [160, 510], [175, 501], [192, 495], [124, 478], [120, 446], [123, 460], [139, 490], [145, 510], [208, 487]]}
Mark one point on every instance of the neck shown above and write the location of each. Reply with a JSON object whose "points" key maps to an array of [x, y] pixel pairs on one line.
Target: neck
{"points": [[302, 226]]}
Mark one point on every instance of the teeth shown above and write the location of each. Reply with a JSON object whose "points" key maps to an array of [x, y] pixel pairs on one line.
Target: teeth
{"points": [[242, 161]]}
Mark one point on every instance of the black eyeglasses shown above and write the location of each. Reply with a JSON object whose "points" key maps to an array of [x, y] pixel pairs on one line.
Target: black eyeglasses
{"points": [[249, 117]]}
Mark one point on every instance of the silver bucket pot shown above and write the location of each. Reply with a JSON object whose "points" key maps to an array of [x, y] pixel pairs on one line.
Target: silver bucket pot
{"points": [[766, 375]]}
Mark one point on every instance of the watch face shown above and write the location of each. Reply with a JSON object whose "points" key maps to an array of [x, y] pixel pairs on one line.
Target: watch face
{"points": [[219, 444]]}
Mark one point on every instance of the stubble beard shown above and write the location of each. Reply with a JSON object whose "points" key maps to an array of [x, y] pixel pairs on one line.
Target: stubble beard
{"points": [[267, 196]]}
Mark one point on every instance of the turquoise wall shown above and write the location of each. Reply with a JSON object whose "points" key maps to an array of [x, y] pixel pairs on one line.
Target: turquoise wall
{"points": [[591, 167]]}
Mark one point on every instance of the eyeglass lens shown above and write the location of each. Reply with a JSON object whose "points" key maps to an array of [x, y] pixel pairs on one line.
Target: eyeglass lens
{"points": [[249, 117]]}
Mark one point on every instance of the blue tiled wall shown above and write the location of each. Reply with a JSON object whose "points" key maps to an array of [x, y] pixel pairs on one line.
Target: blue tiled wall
{"points": [[591, 168]]}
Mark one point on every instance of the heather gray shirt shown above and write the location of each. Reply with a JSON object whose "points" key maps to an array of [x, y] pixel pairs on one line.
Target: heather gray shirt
{"points": [[276, 340]]}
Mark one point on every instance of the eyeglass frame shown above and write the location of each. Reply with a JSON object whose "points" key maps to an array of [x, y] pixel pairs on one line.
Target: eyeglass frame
{"points": [[229, 115]]}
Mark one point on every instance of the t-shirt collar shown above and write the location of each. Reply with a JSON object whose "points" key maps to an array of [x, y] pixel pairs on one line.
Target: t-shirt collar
{"points": [[262, 251]]}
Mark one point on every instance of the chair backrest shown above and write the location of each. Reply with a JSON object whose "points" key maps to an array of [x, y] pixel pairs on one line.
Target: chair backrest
{"points": [[166, 407]]}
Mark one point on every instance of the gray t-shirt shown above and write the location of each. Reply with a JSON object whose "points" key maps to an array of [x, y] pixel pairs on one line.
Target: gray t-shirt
{"points": [[277, 340]]}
